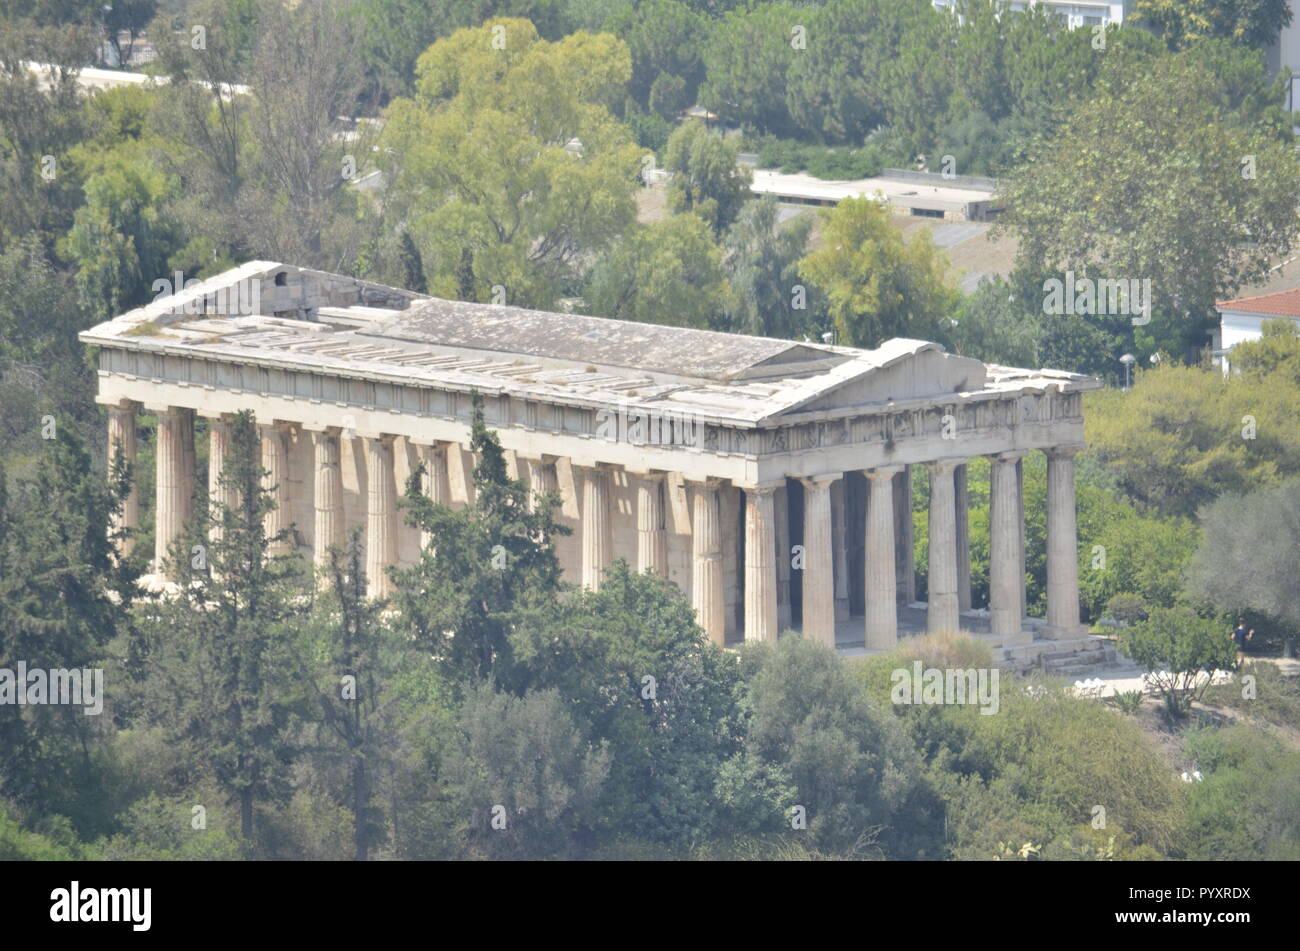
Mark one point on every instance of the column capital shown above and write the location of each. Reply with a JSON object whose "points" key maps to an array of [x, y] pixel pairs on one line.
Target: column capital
{"points": [[538, 458], [883, 472], [161, 409], [426, 442], [709, 482], [948, 464], [824, 478], [762, 488], [647, 475], [319, 433], [118, 404], [385, 439], [1066, 451], [1009, 455]]}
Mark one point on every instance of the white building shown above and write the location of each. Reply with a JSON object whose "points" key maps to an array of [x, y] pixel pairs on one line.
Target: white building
{"points": [[1076, 14], [1243, 319]]}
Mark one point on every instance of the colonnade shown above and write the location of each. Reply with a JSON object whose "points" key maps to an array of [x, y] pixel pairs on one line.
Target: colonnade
{"points": [[771, 564]]}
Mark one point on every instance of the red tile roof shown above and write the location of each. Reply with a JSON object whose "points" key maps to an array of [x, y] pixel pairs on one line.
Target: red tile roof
{"points": [[1282, 303]]}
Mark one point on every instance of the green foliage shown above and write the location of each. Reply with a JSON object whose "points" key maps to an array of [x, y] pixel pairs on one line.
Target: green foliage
{"points": [[706, 178], [225, 677], [1139, 159], [1272, 695], [487, 566], [523, 762], [669, 272], [1247, 559], [746, 62], [876, 284], [478, 160], [839, 164], [1179, 650], [1183, 435], [847, 757], [761, 260], [1253, 23], [1246, 807]]}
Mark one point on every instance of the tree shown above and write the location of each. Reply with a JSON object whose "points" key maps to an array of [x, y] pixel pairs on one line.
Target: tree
{"points": [[706, 177], [63, 596], [746, 62], [1194, 202], [225, 677], [351, 685], [878, 286], [1252, 23], [478, 160], [486, 567], [521, 772], [664, 37], [636, 669], [761, 260], [1275, 355], [1249, 558], [668, 272], [1184, 435], [1179, 651]]}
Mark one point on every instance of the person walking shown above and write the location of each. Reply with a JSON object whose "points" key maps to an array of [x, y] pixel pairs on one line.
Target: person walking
{"points": [[1240, 635]]}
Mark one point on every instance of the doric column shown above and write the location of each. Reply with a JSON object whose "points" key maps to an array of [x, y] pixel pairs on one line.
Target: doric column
{"points": [[1062, 545], [905, 565], [1020, 506], [597, 539], [942, 611], [1005, 577], [171, 488], [221, 496], [121, 435], [781, 530], [881, 571], [185, 419], [381, 515], [839, 541], [328, 527], [542, 479], [651, 536], [706, 543], [760, 567], [275, 460], [962, 496], [435, 482], [819, 560]]}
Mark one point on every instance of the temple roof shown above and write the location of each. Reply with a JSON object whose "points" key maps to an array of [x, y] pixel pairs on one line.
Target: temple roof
{"points": [[278, 315]]}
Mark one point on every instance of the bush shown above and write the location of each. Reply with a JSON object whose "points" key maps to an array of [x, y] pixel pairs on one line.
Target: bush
{"points": [[1247, 808], [848, 758], [1180, 649], [1276, 698]]}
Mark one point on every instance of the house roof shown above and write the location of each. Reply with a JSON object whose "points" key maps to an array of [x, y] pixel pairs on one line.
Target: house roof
{"points": [[1281, 303]]}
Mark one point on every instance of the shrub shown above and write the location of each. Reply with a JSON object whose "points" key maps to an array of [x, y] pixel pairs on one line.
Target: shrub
{"points": [[1180, 650]]}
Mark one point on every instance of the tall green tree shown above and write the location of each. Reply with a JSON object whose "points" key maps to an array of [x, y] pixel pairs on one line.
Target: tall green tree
{"points": [[225, 679], [1169, 185], [877, 285], [669, 272], [761, 260], [706, 176], [486, 567], [64, 596], [502, 202]]}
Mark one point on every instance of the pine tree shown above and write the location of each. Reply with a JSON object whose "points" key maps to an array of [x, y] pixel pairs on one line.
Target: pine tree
{"points": [[487, 566], [225, 676]]}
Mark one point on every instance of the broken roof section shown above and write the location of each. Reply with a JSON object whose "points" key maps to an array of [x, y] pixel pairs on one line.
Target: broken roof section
{"points": [[317, 322]]}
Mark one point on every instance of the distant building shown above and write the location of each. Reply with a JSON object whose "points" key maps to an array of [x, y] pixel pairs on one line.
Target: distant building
{"points": [[1242, 319], [923, 194], [1075, 14]]}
